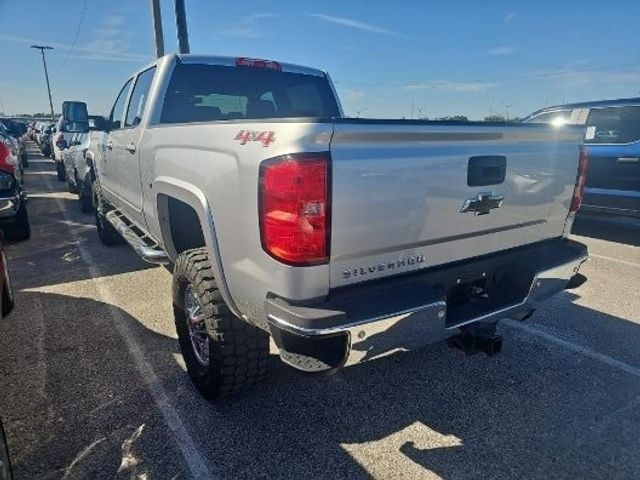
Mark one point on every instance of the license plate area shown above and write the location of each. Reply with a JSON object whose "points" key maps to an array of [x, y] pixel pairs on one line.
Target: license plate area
{"points": [[479, 292]]}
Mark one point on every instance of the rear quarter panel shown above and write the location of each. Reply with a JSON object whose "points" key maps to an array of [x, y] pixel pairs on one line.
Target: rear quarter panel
{"points": [[220, 176]]}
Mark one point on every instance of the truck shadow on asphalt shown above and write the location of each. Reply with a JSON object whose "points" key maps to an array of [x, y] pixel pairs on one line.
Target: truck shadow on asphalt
{"points": [[610, 228], [534, 409]]}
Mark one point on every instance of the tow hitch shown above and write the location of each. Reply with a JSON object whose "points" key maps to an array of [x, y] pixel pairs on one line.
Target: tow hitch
{"points": [[477, 339]]}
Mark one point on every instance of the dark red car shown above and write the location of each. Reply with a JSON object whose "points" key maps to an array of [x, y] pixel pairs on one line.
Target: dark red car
{"points": [[7, 303]]}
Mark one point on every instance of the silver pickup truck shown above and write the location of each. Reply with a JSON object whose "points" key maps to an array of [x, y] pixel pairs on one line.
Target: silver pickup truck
{"points": [[343, 239]]}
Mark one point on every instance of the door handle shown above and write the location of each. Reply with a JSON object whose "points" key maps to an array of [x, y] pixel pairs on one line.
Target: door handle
{"points": [[131, 147], [628, 160], [109, 145]]}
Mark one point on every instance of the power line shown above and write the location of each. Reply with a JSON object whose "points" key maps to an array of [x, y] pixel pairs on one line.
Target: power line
{"points": [[75, 36], [554, 73]]}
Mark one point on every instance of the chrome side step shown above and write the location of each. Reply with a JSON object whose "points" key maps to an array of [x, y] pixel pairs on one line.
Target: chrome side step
{"points": [[143, 245]]}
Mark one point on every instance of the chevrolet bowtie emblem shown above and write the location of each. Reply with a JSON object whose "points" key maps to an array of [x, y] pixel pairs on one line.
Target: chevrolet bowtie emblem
{"points": [[483, 203]]}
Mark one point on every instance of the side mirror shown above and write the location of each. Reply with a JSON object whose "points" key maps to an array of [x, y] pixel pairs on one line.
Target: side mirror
{"points": [[62, 144], [101, 123]]}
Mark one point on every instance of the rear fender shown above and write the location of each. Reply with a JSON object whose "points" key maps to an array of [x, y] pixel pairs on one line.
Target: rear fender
{"points": [[165, 188]]}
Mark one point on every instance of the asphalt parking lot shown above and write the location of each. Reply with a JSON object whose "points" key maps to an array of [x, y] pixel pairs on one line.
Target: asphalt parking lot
{"points": [[92, 384]]}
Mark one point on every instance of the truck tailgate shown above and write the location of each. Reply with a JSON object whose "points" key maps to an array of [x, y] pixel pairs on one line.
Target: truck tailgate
{"points": [[398, 189]]}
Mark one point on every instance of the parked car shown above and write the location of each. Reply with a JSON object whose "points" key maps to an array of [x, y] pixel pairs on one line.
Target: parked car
{"points": [[7, 304], [7, 297], [78, 160], [14, 218], [5, 463], [612, 141], [66, 126], [47, 140], [344, 239]]}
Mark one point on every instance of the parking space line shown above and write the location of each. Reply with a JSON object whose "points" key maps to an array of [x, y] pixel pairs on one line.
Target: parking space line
{"points": [[196, 463], [584, 351], [616, 260]]}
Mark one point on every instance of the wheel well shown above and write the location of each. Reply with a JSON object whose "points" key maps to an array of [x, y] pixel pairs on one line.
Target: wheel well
{"points": [[185, 228]]}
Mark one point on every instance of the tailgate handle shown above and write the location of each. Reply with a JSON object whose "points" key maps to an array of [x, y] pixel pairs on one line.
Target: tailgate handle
{"points": [[486, 170]]}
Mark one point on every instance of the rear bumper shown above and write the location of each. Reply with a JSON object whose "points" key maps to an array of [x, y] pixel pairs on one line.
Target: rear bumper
{"points": [[405, 313]]}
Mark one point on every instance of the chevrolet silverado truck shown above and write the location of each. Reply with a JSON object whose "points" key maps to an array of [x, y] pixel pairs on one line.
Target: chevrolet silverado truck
{"points": [[343, 239]]}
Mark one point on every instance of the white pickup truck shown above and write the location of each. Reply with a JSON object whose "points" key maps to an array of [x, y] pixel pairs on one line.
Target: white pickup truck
{"points": [[344, 239]]}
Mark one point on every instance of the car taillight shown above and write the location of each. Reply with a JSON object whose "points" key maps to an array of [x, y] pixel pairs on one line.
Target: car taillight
{"points": [[7, 159], [581, 180], [294, 208]]}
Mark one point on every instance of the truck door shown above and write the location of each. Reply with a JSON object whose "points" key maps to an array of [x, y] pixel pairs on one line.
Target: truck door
{"points": [[613, 143], [125, 153], [108, 175]]}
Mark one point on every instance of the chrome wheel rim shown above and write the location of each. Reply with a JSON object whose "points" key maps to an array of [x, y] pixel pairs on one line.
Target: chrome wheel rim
{"points": [[196, 326]]}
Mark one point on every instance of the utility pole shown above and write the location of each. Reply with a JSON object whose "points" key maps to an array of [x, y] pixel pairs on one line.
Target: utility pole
{"points": [[42, 48], [181, 27], [156, 19]]}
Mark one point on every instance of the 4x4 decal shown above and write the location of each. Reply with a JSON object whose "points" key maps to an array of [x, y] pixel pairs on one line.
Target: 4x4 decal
{"points": [[266, 138]]}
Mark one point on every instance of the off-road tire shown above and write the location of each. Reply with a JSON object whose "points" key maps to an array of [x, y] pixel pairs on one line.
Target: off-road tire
{"points": [[61, 175], [108, 235], [85, 194], [20, 228], [238, 351]]}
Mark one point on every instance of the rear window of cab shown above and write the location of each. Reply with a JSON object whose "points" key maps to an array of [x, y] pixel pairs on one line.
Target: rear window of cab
{"points": [[201, 93]]}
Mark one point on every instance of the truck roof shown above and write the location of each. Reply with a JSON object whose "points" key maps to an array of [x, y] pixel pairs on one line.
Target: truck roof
{"points": [[231, 62], [594, 103]]}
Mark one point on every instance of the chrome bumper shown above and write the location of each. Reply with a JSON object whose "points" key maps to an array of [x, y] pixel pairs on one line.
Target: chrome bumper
{"points": [[427, 324]]}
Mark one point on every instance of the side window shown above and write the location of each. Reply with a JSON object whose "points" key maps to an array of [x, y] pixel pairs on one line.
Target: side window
{"points": [[117, 112], [613, 125], [557, 117], [139, 98]]}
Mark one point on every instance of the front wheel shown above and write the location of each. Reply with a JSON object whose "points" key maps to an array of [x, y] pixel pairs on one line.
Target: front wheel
{"points": [[108, 235], [61, 174], [20, 228], [224, 354], [71, 187]]}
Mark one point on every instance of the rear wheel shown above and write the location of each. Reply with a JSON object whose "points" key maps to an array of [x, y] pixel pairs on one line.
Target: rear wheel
{"points": [[20, 229], [224, 355], [85, 194], [61, 174], [108, 235]]}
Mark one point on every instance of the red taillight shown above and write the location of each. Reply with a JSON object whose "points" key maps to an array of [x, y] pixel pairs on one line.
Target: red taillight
{"points": [[7, 160], [581, 180], [294, 208], [257, 63]]}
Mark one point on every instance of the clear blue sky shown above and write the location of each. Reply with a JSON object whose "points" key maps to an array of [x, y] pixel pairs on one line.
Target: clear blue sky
{"points": [[446, 57]]}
